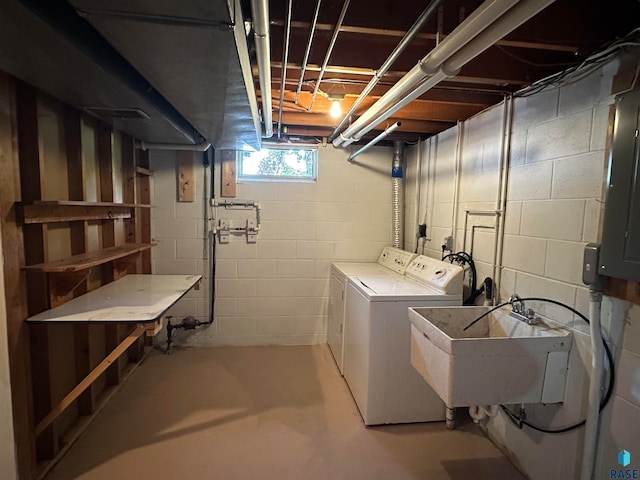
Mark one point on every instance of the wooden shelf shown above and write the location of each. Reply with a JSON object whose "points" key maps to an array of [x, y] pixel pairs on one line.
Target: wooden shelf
{"points": [[88, 260], [71, 210], [144, 171]]}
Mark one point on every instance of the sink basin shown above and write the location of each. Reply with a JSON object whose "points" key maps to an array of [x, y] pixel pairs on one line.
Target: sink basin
{"points": [[500, 360]]}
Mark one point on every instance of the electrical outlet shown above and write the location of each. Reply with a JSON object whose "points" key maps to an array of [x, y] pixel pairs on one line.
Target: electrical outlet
{"points": [[448, 243]]}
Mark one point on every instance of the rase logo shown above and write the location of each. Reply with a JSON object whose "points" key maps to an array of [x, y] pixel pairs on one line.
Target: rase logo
{"points": [[624, 459]]}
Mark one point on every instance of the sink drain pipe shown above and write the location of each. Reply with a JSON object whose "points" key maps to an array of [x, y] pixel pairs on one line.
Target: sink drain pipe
{"points": [[397, 194]]}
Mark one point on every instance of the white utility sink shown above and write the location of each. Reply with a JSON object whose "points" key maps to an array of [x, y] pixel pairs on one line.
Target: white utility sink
{"points": [[500, 360]]}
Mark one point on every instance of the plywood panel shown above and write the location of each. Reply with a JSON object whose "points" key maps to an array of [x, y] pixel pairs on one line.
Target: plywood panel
{"points": [[53, 150], [186, 180], [89, 146], [228, 176]]}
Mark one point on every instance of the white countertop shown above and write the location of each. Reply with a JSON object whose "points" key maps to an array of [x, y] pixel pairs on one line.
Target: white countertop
{"points": [[133, 298]]}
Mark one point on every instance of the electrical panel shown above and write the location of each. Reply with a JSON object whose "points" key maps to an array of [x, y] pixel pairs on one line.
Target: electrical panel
{"points": [[620, 254]]}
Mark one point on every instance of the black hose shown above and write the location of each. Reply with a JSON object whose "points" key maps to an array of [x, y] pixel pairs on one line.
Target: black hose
{"points": [[518, 421]]}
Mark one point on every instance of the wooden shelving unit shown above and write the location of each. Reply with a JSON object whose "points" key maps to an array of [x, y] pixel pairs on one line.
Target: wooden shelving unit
{"points": [[72, 210], [83, 261]]}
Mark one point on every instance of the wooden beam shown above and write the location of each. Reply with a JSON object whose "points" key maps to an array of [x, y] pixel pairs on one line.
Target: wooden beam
{"points": [[15, 291], [425, 38], [186, 181], [89, 379], [322, 120], [228, 176]]}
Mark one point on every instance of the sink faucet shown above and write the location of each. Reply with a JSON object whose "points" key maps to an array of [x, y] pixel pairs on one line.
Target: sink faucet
{"points": [[519, 311], [517, 305]]}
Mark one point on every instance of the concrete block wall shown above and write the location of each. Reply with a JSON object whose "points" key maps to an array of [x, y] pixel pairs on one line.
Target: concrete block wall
{"points": [[555, 194], [276, 290]]}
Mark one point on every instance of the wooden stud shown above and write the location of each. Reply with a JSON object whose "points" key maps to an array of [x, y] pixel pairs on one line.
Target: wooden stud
{"points": [[186, 181], [30, 147], [143, 192], [129, 185], [228, 177], [14, 283]]}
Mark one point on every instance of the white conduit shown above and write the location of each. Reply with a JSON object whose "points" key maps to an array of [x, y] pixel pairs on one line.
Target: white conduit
{"points": [[285, 56], [308, 50], [260, 13], [501, 204], [378, 74], [486, 25], [386, 132], [397, 195], [595, 386]]}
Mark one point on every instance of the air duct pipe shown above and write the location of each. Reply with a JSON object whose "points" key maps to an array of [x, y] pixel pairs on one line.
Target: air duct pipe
{"points": [[488, 24], [406, 40], [397, 194], [260, 12]]}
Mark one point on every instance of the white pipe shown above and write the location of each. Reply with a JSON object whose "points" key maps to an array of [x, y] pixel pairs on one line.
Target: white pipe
{"points": [[477, 413], [384, 133], [332, 43], [412, 85], [201, 147], [260, 13], [595, 386], [475, 23], [501, 204], [285, 56], [402, 45], [456, 185], [416, 217], [308, 50]]}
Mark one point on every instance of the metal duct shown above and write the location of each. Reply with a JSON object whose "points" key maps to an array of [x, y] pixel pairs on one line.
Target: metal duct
{"points": [[397, 194], [62, 17], [260, 13]]}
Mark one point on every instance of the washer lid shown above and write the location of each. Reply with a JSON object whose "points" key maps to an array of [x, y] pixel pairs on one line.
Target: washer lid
{"points": [[396, 289]]}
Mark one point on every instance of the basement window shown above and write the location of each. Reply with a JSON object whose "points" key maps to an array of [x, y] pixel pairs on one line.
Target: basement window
{"points": [[275, 163]]}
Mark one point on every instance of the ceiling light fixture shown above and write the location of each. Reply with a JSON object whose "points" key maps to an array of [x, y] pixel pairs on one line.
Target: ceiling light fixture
{"points": [[336, 109]]}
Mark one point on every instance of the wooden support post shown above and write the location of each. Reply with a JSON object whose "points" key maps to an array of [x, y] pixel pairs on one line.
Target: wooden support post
{"points": [[186, 181], [129, 185], [89, 379], [77, 282], [105, 167], [31, 171], [15, 291], [143, 193], [228, 177]]}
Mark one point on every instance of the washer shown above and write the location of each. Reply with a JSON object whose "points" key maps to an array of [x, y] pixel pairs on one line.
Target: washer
{"points": [[391, 262], [377, 366]]}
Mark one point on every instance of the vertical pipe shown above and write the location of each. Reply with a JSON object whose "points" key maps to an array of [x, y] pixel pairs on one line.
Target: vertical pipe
{"points": [[285, 56], [308, 50], [397, 194], [332, 43], [501, 204], [416, 220], [456, 187], [595, 384], [260, 13]]}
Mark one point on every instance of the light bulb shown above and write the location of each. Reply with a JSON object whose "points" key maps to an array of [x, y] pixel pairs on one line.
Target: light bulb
{"points": [[335, 111]]}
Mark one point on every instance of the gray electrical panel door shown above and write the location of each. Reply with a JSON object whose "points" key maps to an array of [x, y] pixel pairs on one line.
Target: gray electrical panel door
{"points": [[620, 255]]}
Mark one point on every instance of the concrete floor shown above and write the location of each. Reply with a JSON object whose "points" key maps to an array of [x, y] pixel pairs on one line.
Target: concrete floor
{"points": [[262, 413]]}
